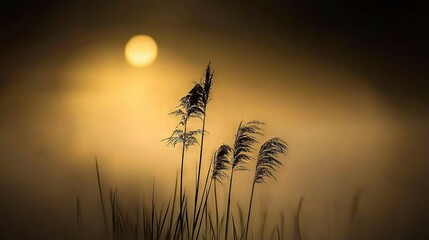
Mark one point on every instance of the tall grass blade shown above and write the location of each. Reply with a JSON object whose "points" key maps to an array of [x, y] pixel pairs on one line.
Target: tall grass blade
{"points": [[216, 208], [78, 218], [353, 212], [188, 230], [204, 209], [203, 90], [234, 228], [203, 201], [101, 195], [173, 208], [297, 233], [137, 223], [212, 228], [244, 140], [153, 210], [273, 233]]}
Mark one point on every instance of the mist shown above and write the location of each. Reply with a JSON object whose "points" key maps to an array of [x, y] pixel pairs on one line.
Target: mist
{"points": [[66, 100]]}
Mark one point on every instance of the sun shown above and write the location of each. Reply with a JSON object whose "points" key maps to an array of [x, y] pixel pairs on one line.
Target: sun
{"points": [[141, 50]]}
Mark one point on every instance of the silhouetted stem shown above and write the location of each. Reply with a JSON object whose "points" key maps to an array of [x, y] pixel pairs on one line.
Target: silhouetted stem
{"points": [[78, 217], [199, 172], [181, 181], [202, 202], [217, 209], [297, 220], [204, 208], [250, 209], [101, 195], [228, 204]]}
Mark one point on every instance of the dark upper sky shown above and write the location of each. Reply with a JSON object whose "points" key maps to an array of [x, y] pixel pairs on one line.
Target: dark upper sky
{"points": [[386, 41], [386, 44]]}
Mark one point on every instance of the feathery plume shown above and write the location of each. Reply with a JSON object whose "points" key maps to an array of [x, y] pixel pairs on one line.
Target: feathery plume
{"points": [[268, 159], [221, 162]]}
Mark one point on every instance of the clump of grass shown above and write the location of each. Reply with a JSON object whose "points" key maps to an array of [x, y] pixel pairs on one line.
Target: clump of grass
{"points": [[193, 219]]}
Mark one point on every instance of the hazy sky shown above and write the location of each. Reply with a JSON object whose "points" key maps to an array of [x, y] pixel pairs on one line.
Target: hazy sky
{"points": [[344, 85]]}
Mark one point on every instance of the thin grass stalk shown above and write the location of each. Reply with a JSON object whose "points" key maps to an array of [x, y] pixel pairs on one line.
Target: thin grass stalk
{"points": [[178, 220], [206, 217], [234, 228], [266, 163], [228, 204], [203, 91], [197, 185], [78, 218], [101, 195], [353, 213], [153, 210], [203, 202], [113, 208], [187, 220], [212, 228], [297, 220], [250, 210], [144, 225], [163, 219], [202, 199], [244, 139], [158, 219], [216, 206], [222, 221], [173, 208], [273, 232], [204, 209], [137, 223], [181, 182]]}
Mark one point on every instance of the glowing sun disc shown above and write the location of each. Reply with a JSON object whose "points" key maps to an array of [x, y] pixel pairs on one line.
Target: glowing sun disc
{"points": [[141, 50]]}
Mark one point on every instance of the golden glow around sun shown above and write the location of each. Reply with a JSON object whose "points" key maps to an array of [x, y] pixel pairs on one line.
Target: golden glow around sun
{"points": [[141, 50]]}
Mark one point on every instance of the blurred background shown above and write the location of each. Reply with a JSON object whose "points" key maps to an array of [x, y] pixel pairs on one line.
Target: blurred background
{"points": [[343, 83]]}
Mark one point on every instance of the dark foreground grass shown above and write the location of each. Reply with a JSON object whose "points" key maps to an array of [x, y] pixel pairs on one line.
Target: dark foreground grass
{"points": [[161, 221], [196, 215]]}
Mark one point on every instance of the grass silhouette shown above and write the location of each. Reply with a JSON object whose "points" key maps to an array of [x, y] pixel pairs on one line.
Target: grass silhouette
{"points": [[198, 216], [266, 163], [204, 90], [244, 139]]}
